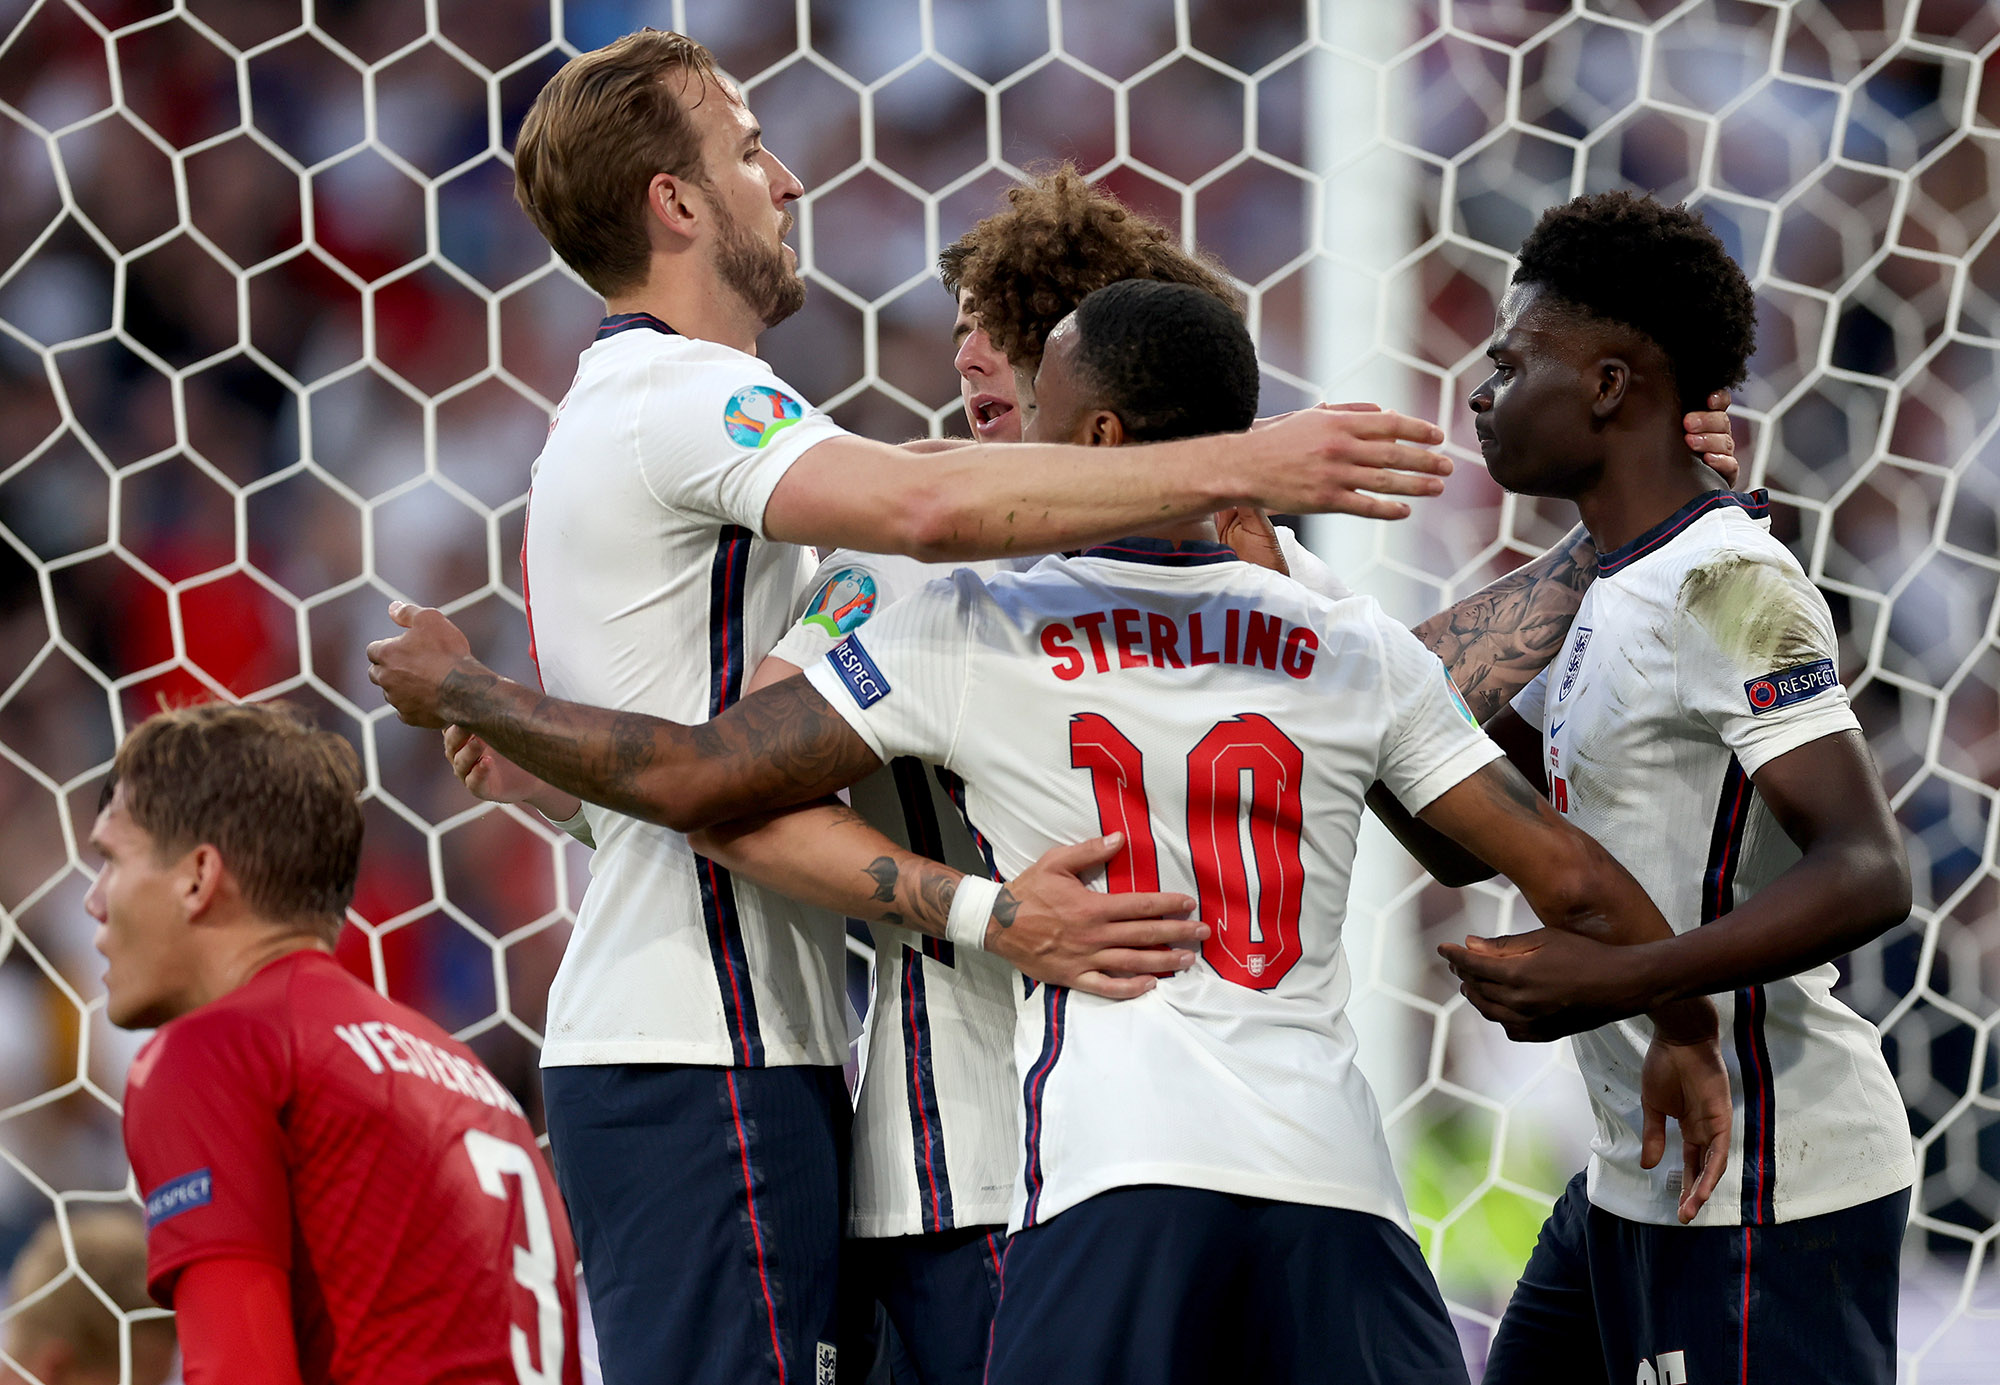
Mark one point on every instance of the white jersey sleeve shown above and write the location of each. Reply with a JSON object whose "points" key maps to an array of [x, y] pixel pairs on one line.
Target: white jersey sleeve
{"points": [[1755, 657], [1307, 569], [1433, 743], [715, 436], [844, 591], [901, 683]]}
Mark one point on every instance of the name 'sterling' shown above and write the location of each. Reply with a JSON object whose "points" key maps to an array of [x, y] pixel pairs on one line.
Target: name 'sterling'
{"points": [[1127, 638]]}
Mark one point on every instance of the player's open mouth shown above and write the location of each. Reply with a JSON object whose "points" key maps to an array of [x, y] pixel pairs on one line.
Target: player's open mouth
{"points": [[988, 412]]}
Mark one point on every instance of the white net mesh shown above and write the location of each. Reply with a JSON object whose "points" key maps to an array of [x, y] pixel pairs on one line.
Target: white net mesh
{"points": [[276, 346]]}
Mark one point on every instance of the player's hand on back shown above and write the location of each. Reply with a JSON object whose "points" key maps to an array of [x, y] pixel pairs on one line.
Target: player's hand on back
{"points": [[1327, 459], [1687, 1080], [1249, 532], [1708, 433], [1051, 926], [411, 668]]}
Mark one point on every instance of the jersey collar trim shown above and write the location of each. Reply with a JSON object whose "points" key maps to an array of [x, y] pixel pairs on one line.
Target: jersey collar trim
{"points": [[626, 322], [1162, 552], [1756, 504]]}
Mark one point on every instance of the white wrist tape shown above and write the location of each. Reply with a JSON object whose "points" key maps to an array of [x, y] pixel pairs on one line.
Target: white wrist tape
{"points": [[971, 911]]}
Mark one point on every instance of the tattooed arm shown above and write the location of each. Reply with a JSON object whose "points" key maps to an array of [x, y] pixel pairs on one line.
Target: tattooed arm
{"points": [[1497, 639], [1494, 643], [783, 745], [779, 746], [828, 855], [1046, 922]]}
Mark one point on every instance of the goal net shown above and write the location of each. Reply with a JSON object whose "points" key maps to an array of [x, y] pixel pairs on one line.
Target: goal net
{"points": [[276, 346]]}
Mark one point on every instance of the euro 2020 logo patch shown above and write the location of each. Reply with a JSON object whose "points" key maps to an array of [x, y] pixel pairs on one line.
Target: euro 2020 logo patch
{"points": [[843, 602], [1458, 701], [757, 413]]}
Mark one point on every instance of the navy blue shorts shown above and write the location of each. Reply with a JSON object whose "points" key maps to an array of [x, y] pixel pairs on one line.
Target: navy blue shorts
{"points": [[1608, 1300], [938, 1291], [708, 1205], [1157, 1286]]}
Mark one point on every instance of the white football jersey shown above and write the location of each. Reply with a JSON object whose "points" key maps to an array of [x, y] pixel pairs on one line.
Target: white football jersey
{"points": [[650, 589], [1702, 653], [934, 1121], [1228, 721], [935, 1124]]}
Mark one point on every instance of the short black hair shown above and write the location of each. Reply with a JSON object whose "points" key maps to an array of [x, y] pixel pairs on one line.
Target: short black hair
{"points": [[1659, 270], [1171, 360]]}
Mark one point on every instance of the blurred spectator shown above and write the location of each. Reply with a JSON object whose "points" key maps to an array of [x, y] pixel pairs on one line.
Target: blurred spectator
{"points": [[67, 1336]]}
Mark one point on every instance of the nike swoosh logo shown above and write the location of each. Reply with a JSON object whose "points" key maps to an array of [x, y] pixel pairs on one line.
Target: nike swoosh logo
{"points": [[1558, 726]]}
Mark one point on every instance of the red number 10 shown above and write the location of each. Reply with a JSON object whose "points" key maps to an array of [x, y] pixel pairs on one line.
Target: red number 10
{"points": [[1253, 945]]}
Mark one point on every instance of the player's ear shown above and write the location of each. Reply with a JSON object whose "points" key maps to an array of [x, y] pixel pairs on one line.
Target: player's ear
{"points": [[1613, 378], [671, 205], [199, 880], [1103, 428]]}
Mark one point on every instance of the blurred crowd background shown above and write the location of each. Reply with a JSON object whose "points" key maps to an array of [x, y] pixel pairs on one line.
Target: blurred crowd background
{"points": [[277, 346]]}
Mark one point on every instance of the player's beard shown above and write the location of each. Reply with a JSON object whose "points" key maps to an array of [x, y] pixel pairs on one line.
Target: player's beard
{"points": [[759, 273]]}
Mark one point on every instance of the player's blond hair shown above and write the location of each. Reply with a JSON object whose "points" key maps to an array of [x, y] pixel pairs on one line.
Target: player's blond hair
{"points": [[274, 794], [606, 123], [111, 1251], [1057, 241]]}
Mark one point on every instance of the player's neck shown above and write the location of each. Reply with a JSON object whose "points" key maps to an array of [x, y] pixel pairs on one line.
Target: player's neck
{"points": [[1640, 487], [696, 306], [1185, 531], [247, 950]]}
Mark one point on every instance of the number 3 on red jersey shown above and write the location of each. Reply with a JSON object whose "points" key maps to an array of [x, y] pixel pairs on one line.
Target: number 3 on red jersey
{"points": [[1252, 945], [494, 1161]]}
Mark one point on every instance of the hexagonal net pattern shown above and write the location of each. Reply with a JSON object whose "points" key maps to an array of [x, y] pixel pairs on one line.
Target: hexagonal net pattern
{"points": [[276, 347]]}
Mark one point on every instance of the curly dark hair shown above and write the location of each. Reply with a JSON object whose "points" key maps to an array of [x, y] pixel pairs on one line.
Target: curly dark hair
{"points": [[1171, 360], [1058, 240], [1657, 269]]}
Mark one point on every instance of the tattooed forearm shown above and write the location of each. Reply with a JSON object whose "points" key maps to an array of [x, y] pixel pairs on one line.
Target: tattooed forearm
{"points": [[1496, 640], [882, 870], [780, 746], [1005, 907], [920, 891]]}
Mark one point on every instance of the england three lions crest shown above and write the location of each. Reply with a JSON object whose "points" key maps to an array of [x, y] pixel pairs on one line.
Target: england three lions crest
{"points": [[1575, 662]]}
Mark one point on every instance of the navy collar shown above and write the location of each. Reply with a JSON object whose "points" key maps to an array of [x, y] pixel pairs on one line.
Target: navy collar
{"points": [[1756, 504], [1162, 552], [626, 322]]}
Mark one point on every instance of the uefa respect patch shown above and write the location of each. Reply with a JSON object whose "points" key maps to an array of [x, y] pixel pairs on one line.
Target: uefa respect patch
{"points": [[756, 414], [1775, 690], [183, 1194], [858, 672], [844, 601]]}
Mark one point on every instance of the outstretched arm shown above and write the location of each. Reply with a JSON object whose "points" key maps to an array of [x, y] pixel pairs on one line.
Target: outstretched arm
{"points": [[1579, 890], [995, 500], [1851, 884], [779, 746]]}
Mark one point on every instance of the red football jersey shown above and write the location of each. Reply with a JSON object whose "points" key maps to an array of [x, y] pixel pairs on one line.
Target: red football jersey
{"points": [[304, 1120]]}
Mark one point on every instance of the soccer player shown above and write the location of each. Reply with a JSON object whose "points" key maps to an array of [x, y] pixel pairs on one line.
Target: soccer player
{"points": [[1233, 1084], [935, 1128], [698, 1023], [67, 1336], [335, 1189], [1696, 726]]}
